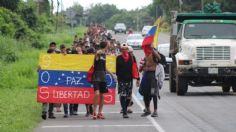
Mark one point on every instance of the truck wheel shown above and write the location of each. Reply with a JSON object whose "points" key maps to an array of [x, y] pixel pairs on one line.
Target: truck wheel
{"points": [[181, 85], [172, 83], [225, 89]]}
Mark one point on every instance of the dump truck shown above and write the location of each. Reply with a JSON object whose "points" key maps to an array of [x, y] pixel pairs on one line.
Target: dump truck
{"points": [[203, 50]]}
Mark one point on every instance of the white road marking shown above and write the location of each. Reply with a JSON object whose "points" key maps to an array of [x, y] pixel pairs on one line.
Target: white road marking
{"points": [[112, 112], [92, 126], [155, 124]]}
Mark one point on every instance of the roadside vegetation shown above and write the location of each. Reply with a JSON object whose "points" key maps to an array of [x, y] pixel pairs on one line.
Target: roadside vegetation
{"points": [[19, 110], [24, 34]]}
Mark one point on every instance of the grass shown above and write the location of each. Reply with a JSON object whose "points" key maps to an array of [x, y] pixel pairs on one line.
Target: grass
{"points": [[65, 36], [19, 111]]}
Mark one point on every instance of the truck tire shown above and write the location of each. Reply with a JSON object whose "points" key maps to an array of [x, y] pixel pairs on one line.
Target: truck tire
{"points": [[172, 82], [225, 89], [181, 85]]}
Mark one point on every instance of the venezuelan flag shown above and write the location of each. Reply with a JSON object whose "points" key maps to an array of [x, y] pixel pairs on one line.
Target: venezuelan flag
{"points": [[148, 39], [63, 79], [151, 37]]}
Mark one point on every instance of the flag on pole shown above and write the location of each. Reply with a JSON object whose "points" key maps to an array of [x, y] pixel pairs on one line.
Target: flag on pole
{"points": [[148, 39], [152, 36]]}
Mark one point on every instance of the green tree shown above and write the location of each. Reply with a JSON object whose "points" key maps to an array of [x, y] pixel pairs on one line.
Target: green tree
{"points": [[100, 13], [134, 19], [43, 7], [74, 13], [27, 12], [9, 4], [167, 6]]}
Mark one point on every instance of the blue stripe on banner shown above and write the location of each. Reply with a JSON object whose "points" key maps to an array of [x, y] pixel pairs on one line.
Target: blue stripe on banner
{"points": [[69, 79]]}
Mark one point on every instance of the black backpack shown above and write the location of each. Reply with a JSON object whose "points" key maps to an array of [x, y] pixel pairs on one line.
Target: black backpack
{"points": [[162, 61]]}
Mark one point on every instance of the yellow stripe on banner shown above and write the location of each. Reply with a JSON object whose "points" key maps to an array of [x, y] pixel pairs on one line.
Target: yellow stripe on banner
{"points": [[72, 62]]}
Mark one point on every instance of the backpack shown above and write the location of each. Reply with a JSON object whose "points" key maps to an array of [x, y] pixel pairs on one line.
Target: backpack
{"points": [[162, 61]]}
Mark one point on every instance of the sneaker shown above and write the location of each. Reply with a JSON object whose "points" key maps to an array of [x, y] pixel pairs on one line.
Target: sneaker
{"points": [[44, 115], [75, 113], [94, 116], [51, 116], [146, 114], [125, 116], [100, 116], [154, 114], [87, 114], [129, 111], [65, 116], [144, 110]]}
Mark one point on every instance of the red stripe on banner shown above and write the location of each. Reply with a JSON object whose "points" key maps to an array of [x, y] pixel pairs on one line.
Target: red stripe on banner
{"points": [[72, 95]]}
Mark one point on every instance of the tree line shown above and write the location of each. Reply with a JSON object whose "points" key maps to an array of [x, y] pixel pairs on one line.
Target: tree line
{"points": [[38, 15]]}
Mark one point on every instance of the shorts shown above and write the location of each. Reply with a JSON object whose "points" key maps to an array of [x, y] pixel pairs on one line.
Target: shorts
{"points": [[125, 88], [101, 86]]}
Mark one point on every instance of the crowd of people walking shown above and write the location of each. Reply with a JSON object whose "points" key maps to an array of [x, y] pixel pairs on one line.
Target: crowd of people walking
{"points": [[99, 42]]}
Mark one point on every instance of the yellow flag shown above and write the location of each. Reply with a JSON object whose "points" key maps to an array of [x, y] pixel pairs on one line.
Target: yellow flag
{"points": [[158, 24]]}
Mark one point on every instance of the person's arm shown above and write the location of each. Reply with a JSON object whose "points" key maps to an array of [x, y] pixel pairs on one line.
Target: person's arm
{"points": [[157, 55]]}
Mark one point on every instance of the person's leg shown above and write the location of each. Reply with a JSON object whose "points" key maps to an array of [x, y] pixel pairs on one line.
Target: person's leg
{"points": [[87, 110], [58, 107], [147, 100], [44, 110], [45, 107], [155, 101], [75, 108], [90, 109], [71, 109], [65, 110], [129, 98], [100, 115], [95, 100], [50, 111], [123, 102]]}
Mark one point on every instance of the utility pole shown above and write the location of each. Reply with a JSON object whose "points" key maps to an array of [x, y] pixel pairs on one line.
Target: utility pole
{"points": [[137, 26], [181, 5], [58, 3], [202, 5], [156, 11]]}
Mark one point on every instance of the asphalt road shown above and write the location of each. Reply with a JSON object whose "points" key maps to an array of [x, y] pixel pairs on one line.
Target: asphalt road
{"points": [[203, 109]]}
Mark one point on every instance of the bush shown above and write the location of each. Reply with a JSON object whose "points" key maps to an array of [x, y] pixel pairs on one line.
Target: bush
{"points": [[8, 49], [12, 25]]}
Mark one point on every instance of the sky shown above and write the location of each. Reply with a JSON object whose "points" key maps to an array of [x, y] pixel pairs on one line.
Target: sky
{"points": [[121, 4]]}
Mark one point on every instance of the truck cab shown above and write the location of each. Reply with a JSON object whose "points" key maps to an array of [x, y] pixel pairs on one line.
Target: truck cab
{"points": [[203, 50]]}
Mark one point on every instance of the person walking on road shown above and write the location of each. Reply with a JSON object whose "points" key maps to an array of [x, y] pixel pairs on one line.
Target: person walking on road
{"points": [[99, 80], [48, 107], [150, 86], [124, 65]]}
